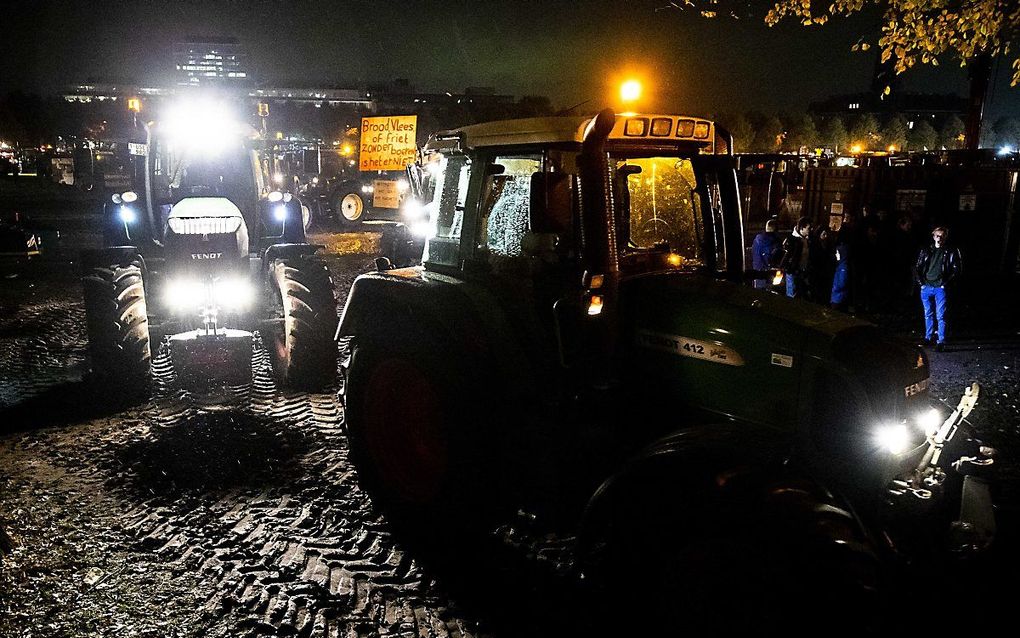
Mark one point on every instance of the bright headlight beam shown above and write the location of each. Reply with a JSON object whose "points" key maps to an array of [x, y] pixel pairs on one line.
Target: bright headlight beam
{"points": [[930, 422], [280, 213], [894, 438], [126, 215], [184, 294], [201, 125], [413, 210], [232, 293]]}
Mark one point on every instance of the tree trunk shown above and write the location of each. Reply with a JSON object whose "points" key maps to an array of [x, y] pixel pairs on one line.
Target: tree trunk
{"points": [[979, 70]]}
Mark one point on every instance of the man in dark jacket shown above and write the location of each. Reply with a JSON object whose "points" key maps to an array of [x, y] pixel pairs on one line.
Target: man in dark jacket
{"points": [[766, 249], [938, 266], [797, 259]]}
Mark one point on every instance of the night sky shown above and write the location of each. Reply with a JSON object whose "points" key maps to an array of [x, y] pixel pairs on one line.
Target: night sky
{"points": [[568, 50]]}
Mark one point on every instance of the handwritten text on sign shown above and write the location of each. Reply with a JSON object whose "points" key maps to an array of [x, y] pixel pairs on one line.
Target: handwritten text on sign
{"points": [[388, 143]]}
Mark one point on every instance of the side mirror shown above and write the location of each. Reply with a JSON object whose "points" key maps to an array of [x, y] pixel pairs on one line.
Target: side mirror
{"points": [[541, 245], [551, 206]]}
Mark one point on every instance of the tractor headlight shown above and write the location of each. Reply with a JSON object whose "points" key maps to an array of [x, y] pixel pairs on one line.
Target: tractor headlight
{"points": [[402, 186], [232, 293], [893, 438], [367, 189], [280, 213], [275, 196], [413, 210], [116, 198], [422, 229], [183, 294], [929, 421], [129, 197], [127, 215]]}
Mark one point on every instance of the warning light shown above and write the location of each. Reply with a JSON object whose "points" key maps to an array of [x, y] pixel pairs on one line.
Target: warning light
{"points": [[630, 91], [263, 109], [134, 104]]}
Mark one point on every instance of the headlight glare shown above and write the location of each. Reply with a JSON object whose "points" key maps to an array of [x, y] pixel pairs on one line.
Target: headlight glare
{"points": [[422, 229], [126, 214], [413, 210], [930, 421], [894, 438], [232, 293], [280, 213], [182, 294]]}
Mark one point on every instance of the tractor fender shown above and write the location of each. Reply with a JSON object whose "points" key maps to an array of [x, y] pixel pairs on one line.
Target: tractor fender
{"points": [[404, 301], [102, 257], [676, 461], [287, 251], [436, 309]]}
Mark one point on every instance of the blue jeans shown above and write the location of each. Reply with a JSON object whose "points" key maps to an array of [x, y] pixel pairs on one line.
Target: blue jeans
{"points": [[933, 299], [795, 285]]}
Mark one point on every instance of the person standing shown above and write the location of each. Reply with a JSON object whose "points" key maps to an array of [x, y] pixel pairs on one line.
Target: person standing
{"points": [[823, 265], [797, 259], [938, 266], [766, 250]]}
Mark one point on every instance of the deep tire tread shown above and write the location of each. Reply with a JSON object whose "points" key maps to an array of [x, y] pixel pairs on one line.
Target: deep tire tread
{"points": [[117, 323], [309, 354]]}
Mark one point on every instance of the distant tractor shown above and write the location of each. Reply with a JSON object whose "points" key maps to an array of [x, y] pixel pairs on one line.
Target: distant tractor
{"points": [[203, 253], [580, 344]]}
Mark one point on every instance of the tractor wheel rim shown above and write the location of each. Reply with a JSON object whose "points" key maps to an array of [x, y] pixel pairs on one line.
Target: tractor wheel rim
{"points": [[404, 431], [351, 207]]}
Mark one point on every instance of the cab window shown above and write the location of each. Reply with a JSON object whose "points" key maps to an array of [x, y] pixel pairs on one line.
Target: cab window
{"points": [[453, 173], [505, 204], [661, 205]]}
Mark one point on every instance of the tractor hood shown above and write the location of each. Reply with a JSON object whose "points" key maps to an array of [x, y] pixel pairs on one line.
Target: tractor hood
{"points": [[206, 233], [757, 356]]}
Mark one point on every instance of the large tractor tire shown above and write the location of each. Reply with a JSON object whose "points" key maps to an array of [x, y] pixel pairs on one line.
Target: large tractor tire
{"points": [[781, 556], [301, 340], [350, 206], [419, 439], [117, 323]]}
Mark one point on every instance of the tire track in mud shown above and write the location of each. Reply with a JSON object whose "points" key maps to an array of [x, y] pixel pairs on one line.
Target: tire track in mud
{"points": [[279, 526], [42, 342], [259, 502]]}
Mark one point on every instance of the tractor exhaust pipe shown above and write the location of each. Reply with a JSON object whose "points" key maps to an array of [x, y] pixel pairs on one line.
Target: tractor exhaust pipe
{"points": [[599, 242]]}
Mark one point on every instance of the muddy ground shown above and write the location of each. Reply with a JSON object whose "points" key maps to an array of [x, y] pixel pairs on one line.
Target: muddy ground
{"points": [[152, 518]]}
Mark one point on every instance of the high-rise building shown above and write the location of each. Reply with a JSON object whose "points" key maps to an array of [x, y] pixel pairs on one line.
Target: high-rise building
{"points": [[202, 61]]}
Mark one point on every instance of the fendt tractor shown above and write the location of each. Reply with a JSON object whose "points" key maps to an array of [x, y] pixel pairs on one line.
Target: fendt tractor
{"points": [[202, 253], [581, 345]]}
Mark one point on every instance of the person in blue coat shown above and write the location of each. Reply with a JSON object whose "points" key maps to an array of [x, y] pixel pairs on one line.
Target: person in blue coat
{"points": [[840, 296], [766, 251]]}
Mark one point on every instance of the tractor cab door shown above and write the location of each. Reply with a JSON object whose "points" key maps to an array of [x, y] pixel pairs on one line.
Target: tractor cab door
{"points": [[524, 247]]}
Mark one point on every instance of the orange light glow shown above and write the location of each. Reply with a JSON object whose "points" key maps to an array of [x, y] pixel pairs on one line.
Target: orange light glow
{"points": [[630, 91]]}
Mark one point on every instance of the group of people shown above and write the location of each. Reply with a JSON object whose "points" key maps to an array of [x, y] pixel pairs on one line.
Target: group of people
{"points": [[861, 268]]}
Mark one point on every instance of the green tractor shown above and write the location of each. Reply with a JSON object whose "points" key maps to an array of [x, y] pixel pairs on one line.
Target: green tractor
{"points": [[581, 344], [202, 253]]}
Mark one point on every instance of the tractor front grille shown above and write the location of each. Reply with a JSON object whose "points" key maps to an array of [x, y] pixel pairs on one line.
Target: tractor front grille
{"points": [[204, 225]]}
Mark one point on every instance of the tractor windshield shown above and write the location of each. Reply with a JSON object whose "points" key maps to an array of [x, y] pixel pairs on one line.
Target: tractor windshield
{"points": [[660, 207], [226, 174]]}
